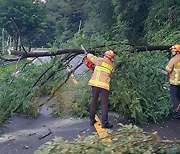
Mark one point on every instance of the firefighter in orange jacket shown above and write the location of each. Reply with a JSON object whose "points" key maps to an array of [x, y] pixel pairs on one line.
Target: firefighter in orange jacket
{"points": [[173, 70], [100, 85]]}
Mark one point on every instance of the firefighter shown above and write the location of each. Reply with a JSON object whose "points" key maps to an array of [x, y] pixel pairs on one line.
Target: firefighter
{"points": [[173, 70], [100, 85]]}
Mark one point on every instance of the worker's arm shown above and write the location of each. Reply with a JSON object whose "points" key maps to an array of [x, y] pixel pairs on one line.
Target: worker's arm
{"points": [[92, 58], [170, 65]]}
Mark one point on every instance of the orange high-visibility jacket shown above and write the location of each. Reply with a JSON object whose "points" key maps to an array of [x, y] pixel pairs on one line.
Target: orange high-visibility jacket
{"points": [[173, 68], [101, 75]]}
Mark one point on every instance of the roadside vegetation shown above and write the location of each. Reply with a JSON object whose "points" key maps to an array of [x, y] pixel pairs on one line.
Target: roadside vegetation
{"points": [[128, 139]]}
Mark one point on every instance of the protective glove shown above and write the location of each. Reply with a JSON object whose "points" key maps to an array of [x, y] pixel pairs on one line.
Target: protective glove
{"points": [[89, 64]]}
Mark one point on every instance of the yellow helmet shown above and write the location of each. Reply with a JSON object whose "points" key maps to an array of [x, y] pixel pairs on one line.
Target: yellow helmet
{"points": [[176, 47]]}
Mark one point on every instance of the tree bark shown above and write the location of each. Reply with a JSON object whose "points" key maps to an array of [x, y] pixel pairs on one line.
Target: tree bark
{"points": [[43, 54], [24, 54], [148, 48]]}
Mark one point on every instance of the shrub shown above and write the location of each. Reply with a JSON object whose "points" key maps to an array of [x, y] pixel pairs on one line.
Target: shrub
{"points": [[139, 88], [128, 139]]}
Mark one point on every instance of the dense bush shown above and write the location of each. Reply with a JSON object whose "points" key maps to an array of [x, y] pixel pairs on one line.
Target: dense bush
{"points": [[139, 89]]}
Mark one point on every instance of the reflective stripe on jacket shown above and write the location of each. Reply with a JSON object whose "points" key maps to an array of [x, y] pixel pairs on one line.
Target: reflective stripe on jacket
{"points": [[173, 68], [101, 75]]}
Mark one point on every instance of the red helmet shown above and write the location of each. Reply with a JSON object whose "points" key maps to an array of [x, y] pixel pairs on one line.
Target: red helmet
{"points": [[110, 54], [176, 47]]}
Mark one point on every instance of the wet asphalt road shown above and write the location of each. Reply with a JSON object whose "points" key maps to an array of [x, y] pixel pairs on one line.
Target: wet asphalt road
{"points": [[166, 128], [23, 135]]}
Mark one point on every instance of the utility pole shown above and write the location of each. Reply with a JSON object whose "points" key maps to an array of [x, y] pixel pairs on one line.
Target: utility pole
{"points": [[3, 40]]}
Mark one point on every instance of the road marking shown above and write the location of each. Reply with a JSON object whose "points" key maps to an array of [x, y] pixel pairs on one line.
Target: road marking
{"points": [[101, 132]]}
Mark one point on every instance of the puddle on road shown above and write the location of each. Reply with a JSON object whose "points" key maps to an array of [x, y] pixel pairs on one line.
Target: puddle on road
{"points": [[45, 109]]}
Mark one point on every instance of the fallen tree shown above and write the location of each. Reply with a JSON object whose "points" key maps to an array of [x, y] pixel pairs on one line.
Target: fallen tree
{"points": [[80, 51], [149, 48]]}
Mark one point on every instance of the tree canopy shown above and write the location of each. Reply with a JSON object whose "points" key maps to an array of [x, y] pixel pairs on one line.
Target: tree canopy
{"points": [[27, 15]]}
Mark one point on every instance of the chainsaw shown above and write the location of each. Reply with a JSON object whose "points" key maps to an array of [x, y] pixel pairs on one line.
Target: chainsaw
{"points": [[86, 61]]}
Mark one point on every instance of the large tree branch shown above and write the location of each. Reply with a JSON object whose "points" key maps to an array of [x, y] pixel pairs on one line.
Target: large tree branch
{"points": [[43, 54], [133, 49], [67, 78], [8, 59], [80, 51], [149, 48], [61, 65]]}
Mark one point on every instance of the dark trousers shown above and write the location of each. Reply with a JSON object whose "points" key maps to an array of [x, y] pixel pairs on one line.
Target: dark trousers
{"points": [[104, 96], [175, 97]]}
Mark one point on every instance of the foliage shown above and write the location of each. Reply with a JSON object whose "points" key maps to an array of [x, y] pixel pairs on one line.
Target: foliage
{"points": [[128, 139], [17, 89], [57, 21], [98, 11], [82, 98], [130, 16], [88, 42], [28, 17], [138, 87], [162, 24], [73, 98], [64, 18]]}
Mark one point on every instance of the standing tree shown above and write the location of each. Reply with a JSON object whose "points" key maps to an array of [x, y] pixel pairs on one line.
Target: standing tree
{"points": [[130, 16], [64, 17], [100, 16], [27, 15]]}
